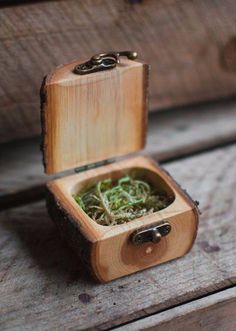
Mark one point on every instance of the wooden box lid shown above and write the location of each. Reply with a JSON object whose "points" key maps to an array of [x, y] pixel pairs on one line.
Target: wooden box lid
{"points": [[93, 117]]}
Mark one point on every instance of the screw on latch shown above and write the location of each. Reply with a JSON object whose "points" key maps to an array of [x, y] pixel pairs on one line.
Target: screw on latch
{"points": [[103, 61], [151, 234], [156, 236]]}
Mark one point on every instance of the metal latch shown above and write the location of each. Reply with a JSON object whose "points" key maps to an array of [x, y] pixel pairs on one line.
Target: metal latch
{"points": [[102, 61], [94, 165], [152, 234]]}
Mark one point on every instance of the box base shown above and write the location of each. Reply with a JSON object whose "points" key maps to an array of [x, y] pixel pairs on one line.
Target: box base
{"points": [[109, 251]]}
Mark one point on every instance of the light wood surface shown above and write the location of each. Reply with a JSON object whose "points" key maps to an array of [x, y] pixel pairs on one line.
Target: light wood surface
{"points": [[44, 287], [189, 44], [110, 253], [94, 117]]}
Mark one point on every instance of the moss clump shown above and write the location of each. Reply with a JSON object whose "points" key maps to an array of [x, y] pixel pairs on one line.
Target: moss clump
{"points": [[111, 203]]}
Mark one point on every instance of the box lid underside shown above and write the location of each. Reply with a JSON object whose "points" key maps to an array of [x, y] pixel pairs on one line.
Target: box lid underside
{"points": [[94, 117]]}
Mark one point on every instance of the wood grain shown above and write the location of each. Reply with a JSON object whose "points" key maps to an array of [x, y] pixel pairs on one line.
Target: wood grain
{"points": [[95, 117], [110, 254], [189, 44], [214, 312], [170, 135], [44, 287]]}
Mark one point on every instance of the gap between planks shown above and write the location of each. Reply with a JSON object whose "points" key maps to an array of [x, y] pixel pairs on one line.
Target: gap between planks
{"points": [[215, 310], [37, 192]]}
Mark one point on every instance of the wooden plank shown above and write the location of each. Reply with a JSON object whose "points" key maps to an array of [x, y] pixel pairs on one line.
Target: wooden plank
{"points": [[214, 312], [191, 129], [43, 286], [189, 44], [170, 135]]}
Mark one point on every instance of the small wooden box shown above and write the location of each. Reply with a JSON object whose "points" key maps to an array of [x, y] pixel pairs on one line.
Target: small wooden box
{"points": [[95, 117]]}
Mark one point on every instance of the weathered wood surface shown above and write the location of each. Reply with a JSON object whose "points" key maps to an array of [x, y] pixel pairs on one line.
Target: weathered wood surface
{"points": [[214, 312], [189, 44], [170, 134], [43, 287], [191, 129]]}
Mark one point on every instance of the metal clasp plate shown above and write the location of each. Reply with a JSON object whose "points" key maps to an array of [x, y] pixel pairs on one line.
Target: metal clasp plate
{"points": [[102, 61], [151, 234]]}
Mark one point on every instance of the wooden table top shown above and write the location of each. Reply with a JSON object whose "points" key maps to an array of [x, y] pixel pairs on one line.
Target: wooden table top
{"points": [[43, 285]]}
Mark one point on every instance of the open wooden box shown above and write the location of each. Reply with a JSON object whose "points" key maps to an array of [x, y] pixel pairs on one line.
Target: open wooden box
{"points": [[92, 118]]}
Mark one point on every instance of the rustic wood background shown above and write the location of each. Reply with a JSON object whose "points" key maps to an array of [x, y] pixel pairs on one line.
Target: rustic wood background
{"points": [[43, 284], [190, 44]]}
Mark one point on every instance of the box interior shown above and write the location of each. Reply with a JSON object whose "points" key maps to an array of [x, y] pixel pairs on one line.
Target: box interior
{"points": [[136, 172]]}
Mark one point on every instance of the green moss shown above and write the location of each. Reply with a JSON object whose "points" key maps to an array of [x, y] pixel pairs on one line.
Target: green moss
{"points": [[111, 203]]}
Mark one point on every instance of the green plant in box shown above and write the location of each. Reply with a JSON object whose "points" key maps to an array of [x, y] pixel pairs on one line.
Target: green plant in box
{"points": [[115, 202]]}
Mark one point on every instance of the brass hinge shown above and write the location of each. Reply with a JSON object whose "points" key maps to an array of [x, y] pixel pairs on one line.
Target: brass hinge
{"points": [[94, 165], [102, 61]]}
